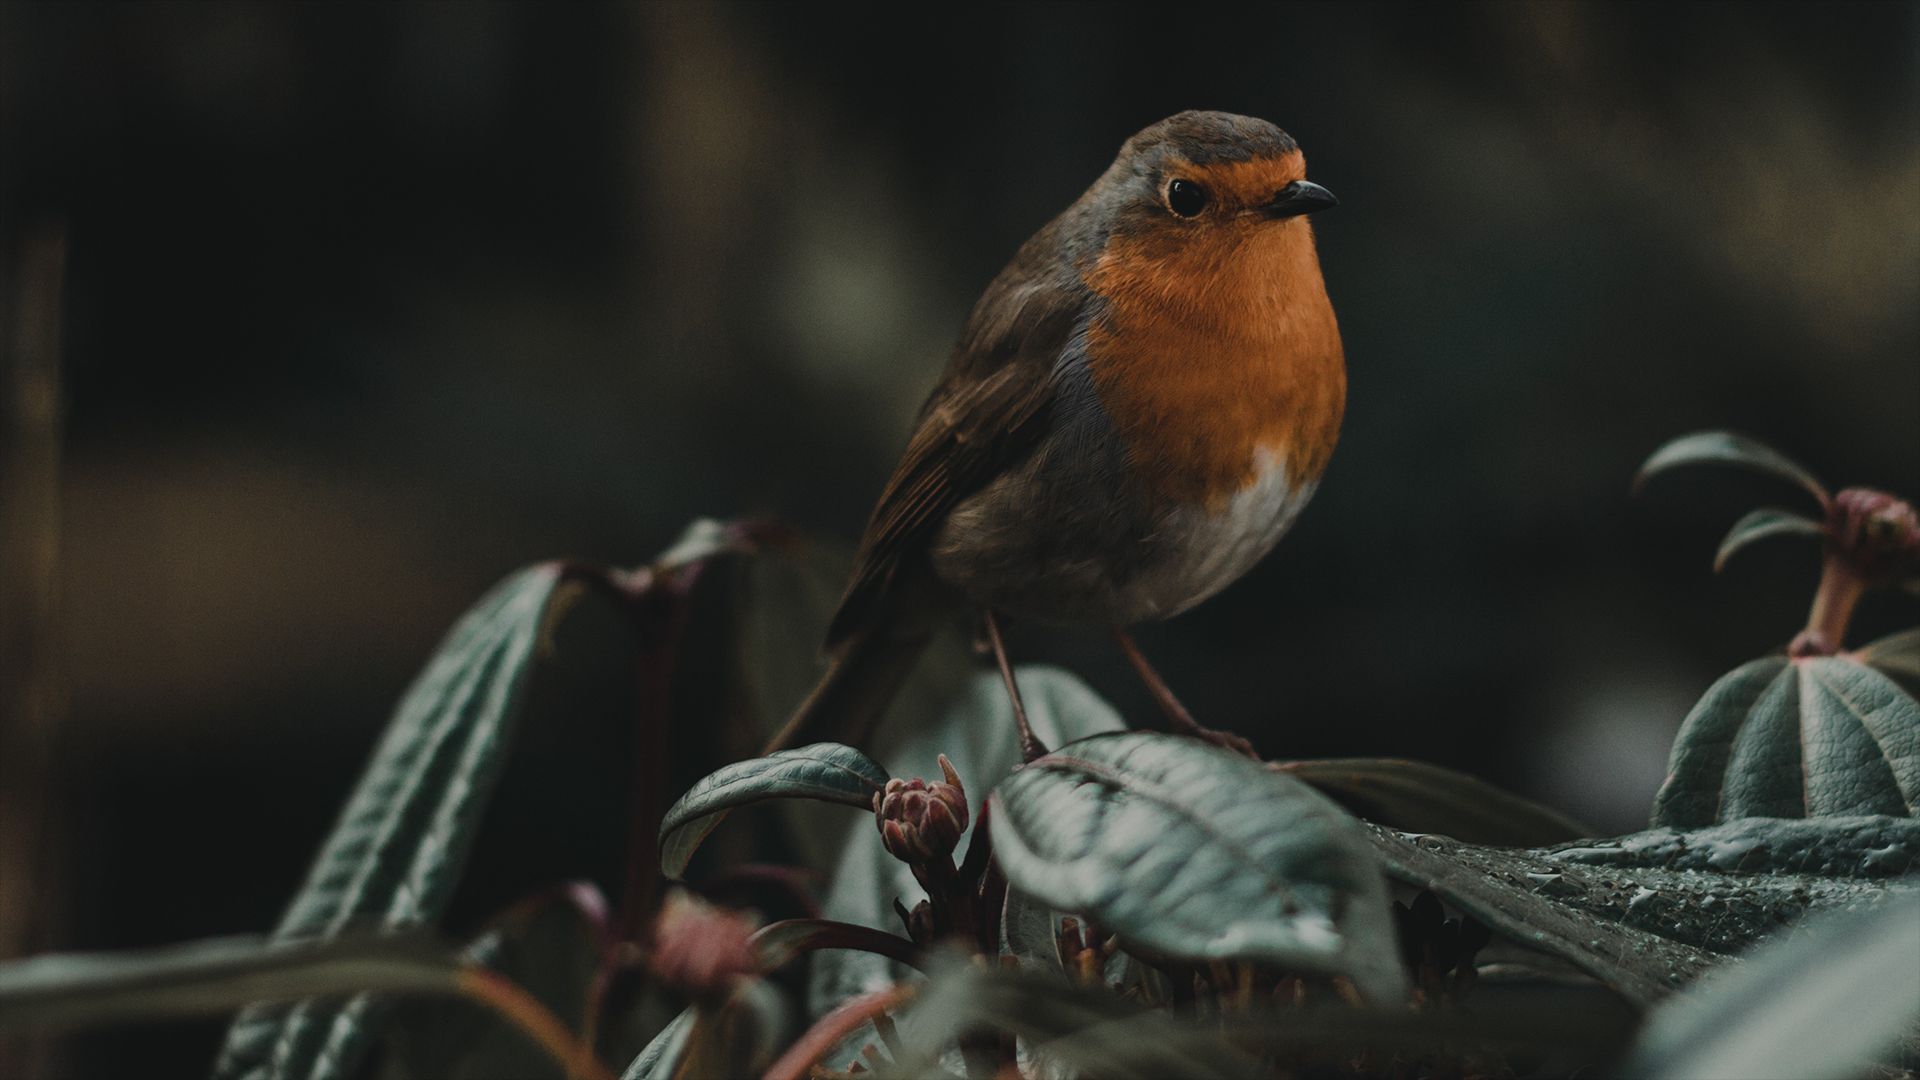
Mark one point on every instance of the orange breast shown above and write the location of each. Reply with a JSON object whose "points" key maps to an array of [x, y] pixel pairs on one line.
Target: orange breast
{"points": [[1210, 352]]}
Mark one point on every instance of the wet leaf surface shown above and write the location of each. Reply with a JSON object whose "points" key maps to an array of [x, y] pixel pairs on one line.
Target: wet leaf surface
{"points": [[1827, 1001]]}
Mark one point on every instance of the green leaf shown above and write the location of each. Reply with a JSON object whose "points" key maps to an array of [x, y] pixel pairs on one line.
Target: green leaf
{"points": [[1814, 737], [1826, 1002], [1647, 912], [1760, 524], [827, 772], [662, 1056], [1505, 889], [975, 730], [213, 977], [1188, 850], [1413, 796], [1726, 448], [401, 842], [1897, 655]]}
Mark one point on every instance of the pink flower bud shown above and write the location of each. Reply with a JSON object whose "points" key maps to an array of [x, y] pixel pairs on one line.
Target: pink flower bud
{"points": [[1877, 532], [701, 950], [918, 821]]}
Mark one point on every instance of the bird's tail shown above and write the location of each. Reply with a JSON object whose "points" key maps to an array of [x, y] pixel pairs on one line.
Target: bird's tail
{"points": [[859, 684]]}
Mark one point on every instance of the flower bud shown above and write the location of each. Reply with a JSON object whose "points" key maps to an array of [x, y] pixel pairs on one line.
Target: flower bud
{"points": [[1878, 533], [701, 950], [918, 821]]}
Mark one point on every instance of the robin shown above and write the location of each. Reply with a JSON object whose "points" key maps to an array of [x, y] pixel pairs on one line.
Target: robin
{"points": [[1138, 408]]}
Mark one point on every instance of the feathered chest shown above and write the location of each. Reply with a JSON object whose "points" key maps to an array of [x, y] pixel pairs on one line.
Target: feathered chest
{"points": [[1217, 363]]}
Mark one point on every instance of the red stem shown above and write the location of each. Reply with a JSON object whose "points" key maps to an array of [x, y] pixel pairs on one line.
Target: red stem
{"points": [[1841, 587], [799, 1059]]}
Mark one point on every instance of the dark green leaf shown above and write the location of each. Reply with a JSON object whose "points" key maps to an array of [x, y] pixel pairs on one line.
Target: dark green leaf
{"points": [[398, 849], [1825, 1002], [1726, 448], [1815, 737], [1413, 796], [1504, 889], [827, 772], [1192, 851], [1898, 655], [778, 944], [662, 1056], [1645, 913], [1759, 525], [975, 730], [213, 977]]}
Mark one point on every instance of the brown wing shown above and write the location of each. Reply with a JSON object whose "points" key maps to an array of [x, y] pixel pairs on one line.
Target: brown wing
{"points": [[985, 416]]}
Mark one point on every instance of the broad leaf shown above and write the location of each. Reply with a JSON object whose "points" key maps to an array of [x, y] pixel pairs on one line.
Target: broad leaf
{"points": [[1815, 737], [1760, 524], [1191, 851], [398, 849], [1413, 796], [1726, 448], [827, 772], [1826, 1002], [1646, 913], [974, 728]]}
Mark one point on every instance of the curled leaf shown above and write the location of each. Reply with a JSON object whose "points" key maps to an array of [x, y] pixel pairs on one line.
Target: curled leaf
{"points": [[827, 772], [1726, 448], [1898, 655], [1759, 525], [1414, 796], [1191, 851]]}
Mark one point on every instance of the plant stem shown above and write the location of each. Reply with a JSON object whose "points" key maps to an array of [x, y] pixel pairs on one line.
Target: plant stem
{"points": [[1841, 587]]}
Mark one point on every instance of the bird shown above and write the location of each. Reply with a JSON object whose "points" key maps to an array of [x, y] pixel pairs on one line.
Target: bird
{"points": [[1138, 407]]}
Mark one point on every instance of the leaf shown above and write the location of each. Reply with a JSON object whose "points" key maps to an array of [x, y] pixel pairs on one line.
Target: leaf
{"points": [[975, 730], [1826, 1002], [1726, 448], [213, 977], [777, 944], [1760, 524], [401, 842], [1647, 912], [1502, 888], [1191, 851], [1814, 737], [1413, 796], [827, 772], [1897, 655], [662, 1056]]}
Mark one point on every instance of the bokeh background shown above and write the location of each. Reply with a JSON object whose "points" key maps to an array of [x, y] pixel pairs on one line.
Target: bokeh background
{"points": [[366, 306]]}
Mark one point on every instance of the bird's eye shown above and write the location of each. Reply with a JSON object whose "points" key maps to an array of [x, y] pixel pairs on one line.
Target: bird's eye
{"points": [[1186, 198]]}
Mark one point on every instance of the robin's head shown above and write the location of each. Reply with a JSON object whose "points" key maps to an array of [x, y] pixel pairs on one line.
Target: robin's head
{"points": [[1207, 176]]}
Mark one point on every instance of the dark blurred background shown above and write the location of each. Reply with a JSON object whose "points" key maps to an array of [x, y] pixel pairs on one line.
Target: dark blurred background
{"points": [[366, 306]]}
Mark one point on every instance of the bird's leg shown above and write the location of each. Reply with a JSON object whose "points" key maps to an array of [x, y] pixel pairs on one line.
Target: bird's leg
{"points": [[1030, 745], [1178, 717]]}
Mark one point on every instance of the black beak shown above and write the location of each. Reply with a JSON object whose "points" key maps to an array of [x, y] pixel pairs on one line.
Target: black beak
{"points": [[1299, 197]]}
